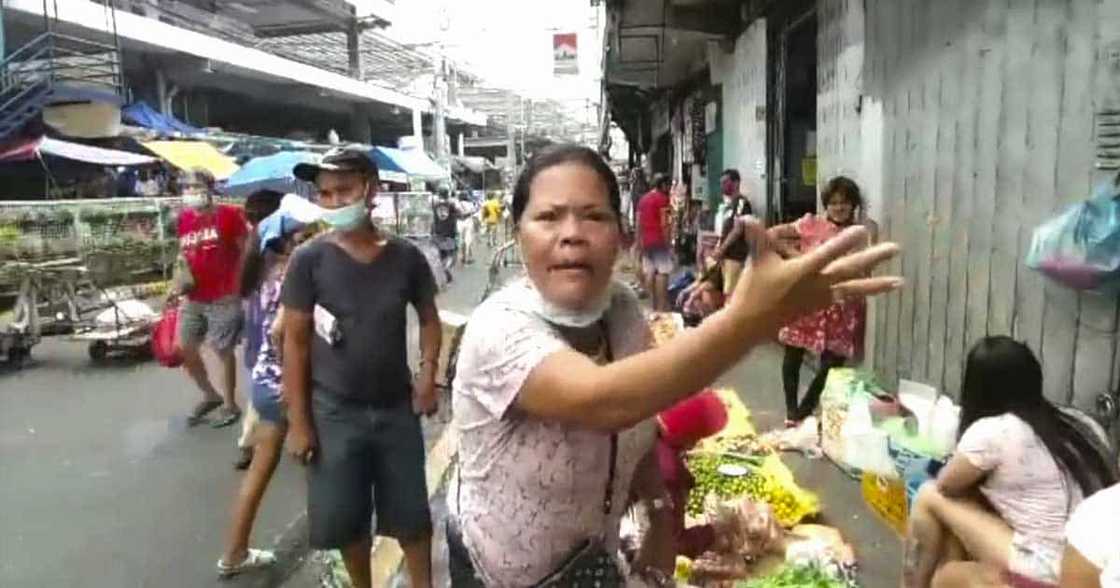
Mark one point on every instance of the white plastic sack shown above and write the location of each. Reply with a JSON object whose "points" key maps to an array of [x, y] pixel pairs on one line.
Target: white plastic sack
{"points": [[944, 423], [919, 399]]}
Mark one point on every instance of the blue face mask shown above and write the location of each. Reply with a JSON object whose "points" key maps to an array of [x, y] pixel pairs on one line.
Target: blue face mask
{"points": [[348, 217]]}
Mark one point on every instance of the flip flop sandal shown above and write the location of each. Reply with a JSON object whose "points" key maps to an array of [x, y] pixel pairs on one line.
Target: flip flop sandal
{"points": [[226, 418], [201, 410], [254, 560]]}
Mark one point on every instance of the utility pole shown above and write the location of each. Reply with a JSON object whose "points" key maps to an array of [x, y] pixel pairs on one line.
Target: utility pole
{"points": [[440, 118], [511, 148], [440, 123]]}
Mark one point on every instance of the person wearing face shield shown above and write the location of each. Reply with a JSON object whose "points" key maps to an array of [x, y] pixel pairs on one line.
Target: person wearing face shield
{"points": [[353, 403], [211, 242]]}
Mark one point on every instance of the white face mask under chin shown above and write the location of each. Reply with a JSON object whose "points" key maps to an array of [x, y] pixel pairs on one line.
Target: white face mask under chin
{"points": [[575, 318]]}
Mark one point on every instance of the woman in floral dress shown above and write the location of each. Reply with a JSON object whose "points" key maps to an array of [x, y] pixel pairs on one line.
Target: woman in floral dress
{"points": [[835, 333]]}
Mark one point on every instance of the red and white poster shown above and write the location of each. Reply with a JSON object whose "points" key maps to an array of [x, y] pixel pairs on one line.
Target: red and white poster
{"points": [[565, 54]]}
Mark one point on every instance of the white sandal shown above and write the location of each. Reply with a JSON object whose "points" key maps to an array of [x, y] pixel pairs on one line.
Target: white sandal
{"points": [[255, 559]]}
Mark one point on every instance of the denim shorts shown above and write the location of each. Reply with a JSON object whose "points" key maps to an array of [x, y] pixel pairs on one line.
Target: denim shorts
{"points": [[268, 404], [371, 460]]}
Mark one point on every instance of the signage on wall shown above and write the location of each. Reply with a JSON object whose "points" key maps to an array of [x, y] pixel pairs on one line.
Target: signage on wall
{"points": [[711, 120], [565, 54]]}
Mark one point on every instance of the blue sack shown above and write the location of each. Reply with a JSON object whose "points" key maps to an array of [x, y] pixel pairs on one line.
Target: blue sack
{"points": [[1080, 248]]}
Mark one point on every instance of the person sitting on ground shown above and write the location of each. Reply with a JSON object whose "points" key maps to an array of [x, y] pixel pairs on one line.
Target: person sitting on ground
{"points": [[997, 511], [211, 241], [1092, 557], [704, 296], [279, 235]]}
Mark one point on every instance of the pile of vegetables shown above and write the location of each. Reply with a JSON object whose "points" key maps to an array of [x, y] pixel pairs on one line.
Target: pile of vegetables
{"points": [[710, 482], [766, 480], [795, 576]]}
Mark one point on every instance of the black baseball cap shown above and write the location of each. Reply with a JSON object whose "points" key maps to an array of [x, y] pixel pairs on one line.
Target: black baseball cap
{"points": [[346, 159]]}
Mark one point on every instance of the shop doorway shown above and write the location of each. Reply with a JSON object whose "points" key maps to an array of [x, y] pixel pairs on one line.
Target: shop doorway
{"points": [[793, 149]]}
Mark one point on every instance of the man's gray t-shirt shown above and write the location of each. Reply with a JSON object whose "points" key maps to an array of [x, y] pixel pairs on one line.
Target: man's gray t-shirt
{"points": [[368, 300]]}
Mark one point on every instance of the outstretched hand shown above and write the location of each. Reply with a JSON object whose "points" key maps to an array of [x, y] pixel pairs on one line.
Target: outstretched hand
{"points": [[775, 290]]}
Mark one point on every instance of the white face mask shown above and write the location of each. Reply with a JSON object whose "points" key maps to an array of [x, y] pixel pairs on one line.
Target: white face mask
{"points": [[195, 200], [574, 318]]}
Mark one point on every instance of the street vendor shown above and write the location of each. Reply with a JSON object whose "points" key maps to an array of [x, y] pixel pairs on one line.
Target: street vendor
{"points": [[680, 428], [557, 383]]}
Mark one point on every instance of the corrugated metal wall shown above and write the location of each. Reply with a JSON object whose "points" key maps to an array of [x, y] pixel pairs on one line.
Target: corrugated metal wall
{"points": [[988, 110]]}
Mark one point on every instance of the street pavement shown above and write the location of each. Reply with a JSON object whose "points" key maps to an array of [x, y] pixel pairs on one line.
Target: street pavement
{"points": [[102, 483]]}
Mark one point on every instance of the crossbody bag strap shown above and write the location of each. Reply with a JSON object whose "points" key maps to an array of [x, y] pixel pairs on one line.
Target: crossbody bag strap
{"points": [[608, 498]]}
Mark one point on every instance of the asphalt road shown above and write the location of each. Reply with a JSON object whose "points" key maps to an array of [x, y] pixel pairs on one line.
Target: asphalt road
{"points": [[103, 484]]}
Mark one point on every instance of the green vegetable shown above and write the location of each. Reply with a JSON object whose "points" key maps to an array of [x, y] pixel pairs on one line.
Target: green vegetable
{"points": [[792, 576]]}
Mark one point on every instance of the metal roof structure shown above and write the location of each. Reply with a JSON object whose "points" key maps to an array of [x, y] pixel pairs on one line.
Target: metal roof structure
{"points": [[384, 61], [545, 117]]}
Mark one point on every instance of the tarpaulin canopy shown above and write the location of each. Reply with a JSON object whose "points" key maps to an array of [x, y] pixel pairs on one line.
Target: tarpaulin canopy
{"points": [[142, 115], [30, 149], [189, 155], [413, 162], [272, 172]]}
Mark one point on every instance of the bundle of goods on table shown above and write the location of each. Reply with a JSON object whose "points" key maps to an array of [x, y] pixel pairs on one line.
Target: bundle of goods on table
{"points": [[755, 508]]}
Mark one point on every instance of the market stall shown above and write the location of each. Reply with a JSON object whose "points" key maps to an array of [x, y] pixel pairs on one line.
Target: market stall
{"points": [[889, 444], [190, 155], [754, 506]]}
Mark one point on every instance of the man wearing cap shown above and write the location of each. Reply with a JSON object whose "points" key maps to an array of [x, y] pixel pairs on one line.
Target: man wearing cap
{"points": [[211, 242], [353, 405], [654, 213]]}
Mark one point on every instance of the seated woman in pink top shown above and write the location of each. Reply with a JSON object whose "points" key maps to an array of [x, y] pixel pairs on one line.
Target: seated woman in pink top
{"points": [[997, 512]]}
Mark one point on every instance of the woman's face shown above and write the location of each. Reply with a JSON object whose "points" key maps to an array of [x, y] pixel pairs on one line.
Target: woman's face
{"points": [[840, 209], [569, 235]]}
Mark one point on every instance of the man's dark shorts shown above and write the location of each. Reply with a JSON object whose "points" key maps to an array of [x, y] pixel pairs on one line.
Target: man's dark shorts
{"points": [[369, 458]]}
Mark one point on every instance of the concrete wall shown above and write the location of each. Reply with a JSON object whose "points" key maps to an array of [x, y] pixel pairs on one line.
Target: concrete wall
{"points": [[979, 116], [743, 77]]}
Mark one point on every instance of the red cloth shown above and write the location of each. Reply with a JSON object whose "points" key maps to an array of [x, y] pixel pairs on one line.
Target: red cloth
{"points": [[693, 541], [651, 214], [211, 243], [838, 328], [685, 423]]}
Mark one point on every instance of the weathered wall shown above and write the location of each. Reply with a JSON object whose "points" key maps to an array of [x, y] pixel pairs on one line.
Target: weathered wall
{"points": [[987, 123], [743, 76]]}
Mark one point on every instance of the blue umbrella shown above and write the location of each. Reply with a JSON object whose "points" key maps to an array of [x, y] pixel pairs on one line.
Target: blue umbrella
{"points": [[271, 172]]}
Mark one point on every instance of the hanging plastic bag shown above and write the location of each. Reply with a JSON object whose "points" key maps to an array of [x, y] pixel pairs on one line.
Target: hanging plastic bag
{"points": [[165, 338], [1080, 248]]}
